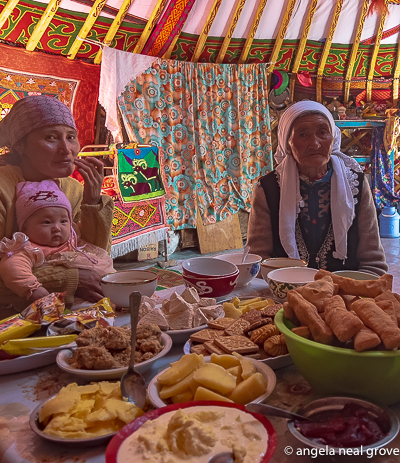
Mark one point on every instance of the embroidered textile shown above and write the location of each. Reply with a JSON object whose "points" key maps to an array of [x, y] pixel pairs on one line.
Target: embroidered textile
{"points": [[76, 84], [385, 165], [138, 173], [210, 122], [167, 278], [135, 224]]}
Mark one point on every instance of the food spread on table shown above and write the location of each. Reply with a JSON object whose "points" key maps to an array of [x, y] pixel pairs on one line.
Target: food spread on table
{"points": [[196, 434]]}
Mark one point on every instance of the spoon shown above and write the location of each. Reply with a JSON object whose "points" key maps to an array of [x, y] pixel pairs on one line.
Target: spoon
{"points": [[133, 386], [224, 457], [269, 410], [246, 251]]}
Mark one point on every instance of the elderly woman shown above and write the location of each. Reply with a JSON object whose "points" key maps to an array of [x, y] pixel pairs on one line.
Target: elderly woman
{"points": [[317, 204], [41, 136]]}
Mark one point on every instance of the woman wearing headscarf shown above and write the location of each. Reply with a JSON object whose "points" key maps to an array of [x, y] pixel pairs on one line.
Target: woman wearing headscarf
{"points": [[41, 137], [317, 204]]}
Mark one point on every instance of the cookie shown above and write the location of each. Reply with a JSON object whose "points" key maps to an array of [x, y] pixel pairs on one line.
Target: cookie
{"points": [[212, 348], [276, 345], [259, 335], [237, 327], [206, 335], [220, 323], [271, 310], [258, 324], [199, 349], [235, 343], [251, 316]]}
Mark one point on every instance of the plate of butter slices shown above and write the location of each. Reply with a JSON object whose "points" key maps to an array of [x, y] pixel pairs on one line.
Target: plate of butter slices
{"points": [[181, 315]]}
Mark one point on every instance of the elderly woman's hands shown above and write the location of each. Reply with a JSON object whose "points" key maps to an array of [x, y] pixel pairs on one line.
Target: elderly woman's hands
{"points": [[89, 287], [92, 171]]}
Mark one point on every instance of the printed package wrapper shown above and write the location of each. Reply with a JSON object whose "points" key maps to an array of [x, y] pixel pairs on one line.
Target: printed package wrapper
{"points": [[46, 309]]}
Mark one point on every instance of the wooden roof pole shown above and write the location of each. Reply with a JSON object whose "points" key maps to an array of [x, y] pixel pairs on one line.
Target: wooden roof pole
{"points": [[396, 77], [151, 23], [281, 34], [302, 45], [85, 29], [206, 29], [231, 30], [252, 33], [354, 50], [43, 24], [114, 28], [327, 47], [7, 10], [375, 53]]}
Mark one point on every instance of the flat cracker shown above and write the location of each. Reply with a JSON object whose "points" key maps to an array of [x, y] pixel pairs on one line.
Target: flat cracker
{"points": [[206, 335], [237, 327], [235, 343], [271, 310], [199, 349], [212, 348], [220, 323], [252, 315]]}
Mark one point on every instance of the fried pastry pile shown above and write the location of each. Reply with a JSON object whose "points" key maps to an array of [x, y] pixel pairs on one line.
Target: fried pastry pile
{"points": [[340, 311], [110, 347]]}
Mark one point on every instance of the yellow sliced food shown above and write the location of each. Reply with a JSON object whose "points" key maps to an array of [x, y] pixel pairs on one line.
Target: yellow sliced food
{"points": [[179, 370], [215, 377], [205, 394], [249, 389]]}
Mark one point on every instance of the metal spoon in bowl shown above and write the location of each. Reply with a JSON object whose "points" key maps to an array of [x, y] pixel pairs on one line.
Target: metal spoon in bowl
{"points": [[133, 386], [269, 410], [224, 457], [246, 251]]}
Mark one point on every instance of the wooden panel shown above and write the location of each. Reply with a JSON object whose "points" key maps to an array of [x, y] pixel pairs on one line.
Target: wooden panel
{"points": [[219, 236]]}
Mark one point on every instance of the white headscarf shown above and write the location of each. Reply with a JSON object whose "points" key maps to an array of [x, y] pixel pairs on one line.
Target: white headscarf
{"points": [[342, 201]]}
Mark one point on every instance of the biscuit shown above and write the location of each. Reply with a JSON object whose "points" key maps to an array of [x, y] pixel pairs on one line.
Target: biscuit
{"points": [[237, 327], [252, 315], [276, 345], [199, 349], [206, 335], [271, 310], [259, 335], [212, 348], [220, 323], [258, 324], [235, 343]]}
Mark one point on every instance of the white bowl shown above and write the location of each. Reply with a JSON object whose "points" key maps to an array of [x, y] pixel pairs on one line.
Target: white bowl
{"points": [[273, 263], [356, 275], [282, 280], [119, 285], [248, 270], [208, 266], [265, 370], [115, 373]]}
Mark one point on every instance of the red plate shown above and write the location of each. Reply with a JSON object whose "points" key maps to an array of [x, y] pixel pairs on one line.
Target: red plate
{"points": [[126, 431]]}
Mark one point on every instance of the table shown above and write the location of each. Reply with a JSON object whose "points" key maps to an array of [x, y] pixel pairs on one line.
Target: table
{"points": [[22, 392]]}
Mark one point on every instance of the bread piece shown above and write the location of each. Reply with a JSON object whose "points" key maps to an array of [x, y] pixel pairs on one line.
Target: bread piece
{"points": [[365, 339], [302, 331], [308, 315], [317, 291], [364, 288], [389, 296], [388, 308], [349, 299], [379, 321], [289, 314], [343, 323]]}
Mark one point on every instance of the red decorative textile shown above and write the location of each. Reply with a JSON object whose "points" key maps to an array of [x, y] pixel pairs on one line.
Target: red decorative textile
{"points": [[82, 101]]}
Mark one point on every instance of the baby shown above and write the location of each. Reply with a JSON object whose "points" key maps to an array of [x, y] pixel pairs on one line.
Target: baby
{"points": [[46, 235]]}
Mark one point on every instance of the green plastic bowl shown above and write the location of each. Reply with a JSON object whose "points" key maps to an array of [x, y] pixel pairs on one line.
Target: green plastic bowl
{"points": [[373, 375]]}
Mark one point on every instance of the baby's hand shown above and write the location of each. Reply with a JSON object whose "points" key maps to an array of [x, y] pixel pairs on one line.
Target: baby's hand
{"points": [[37, 294]]}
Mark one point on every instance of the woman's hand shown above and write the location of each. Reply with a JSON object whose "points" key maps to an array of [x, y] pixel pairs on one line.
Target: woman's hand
{"points": [[89, 287], [92, 171]]}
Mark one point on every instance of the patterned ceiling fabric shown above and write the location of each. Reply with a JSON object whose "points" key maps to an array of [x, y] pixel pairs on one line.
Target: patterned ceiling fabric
{"points": [[168, 27], [211, 123], [75, 83]]}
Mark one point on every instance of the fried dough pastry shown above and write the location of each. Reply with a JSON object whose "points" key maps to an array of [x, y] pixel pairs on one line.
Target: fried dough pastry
{"points": [[289, 314], [308, 315], [389, 296], [388, 308], [343, 323], [365, 288], [317, 291], [379, 321], [365, 339]]}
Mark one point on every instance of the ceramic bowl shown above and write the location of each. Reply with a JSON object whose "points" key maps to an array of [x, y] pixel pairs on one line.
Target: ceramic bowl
{"points": [[372, 375], [267, 265], [282, 280], [212, 286], [154, 387], [207, 266], [119, 285], [248, 270], [113, 451], [388, 421]]}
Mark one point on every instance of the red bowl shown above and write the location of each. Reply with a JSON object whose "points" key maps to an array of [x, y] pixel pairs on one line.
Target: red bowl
{"points": [[207, 266], [212, 286], [130, 428]]}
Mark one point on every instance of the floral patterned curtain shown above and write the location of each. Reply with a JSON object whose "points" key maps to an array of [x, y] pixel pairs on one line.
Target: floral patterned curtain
{"points": [[211, 123]]}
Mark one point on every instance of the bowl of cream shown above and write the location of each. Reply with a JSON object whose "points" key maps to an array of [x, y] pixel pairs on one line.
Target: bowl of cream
{"points": [[209, 428]]}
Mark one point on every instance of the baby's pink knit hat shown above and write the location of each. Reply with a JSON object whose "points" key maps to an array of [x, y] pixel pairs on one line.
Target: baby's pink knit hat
{"points": [[32, 196]]}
